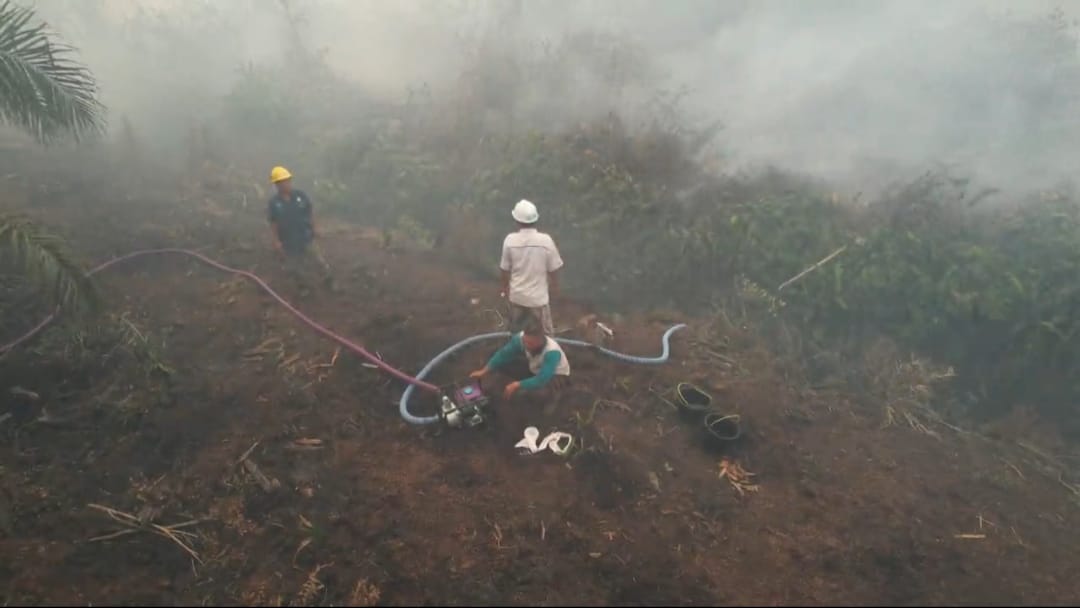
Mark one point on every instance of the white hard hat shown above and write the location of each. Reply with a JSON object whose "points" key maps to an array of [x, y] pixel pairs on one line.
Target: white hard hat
{"points": [[525, 212]]}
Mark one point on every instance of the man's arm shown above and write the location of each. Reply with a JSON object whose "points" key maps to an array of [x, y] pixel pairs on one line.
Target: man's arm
{"points": [[275, 238], [505, 266], [553, 283], [506, 354], [554, 264], [546, 373], [310, 214], [272, 217]]}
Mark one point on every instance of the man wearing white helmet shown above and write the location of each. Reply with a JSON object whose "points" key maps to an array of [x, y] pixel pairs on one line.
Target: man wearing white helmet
{"points": [[530, 265]]}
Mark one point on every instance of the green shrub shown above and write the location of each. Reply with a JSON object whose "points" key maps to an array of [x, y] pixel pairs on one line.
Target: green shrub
{"points": [[642, 224]]}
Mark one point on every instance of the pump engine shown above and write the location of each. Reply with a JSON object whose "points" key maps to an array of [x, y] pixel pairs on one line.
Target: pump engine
{"points": [[466, 407]]}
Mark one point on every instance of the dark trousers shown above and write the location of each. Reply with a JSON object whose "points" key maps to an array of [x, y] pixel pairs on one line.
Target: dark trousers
{"points": [[302, 263]]}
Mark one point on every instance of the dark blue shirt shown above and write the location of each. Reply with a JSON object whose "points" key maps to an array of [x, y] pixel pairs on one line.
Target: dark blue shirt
{"points": [[293, 220]]}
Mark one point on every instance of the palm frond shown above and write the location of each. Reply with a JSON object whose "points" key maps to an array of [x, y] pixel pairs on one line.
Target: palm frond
{"points": [[42, 89], [41, 258]]}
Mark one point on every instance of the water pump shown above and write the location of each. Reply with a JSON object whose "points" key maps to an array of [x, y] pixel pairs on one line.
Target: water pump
{"points": [[467, 407]]}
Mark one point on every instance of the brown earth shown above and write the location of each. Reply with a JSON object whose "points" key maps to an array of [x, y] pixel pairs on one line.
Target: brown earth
{"points": [[846, 512]]}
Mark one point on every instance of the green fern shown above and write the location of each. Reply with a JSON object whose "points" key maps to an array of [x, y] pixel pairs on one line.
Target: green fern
{"points": [[42, 90], [41, 258]]}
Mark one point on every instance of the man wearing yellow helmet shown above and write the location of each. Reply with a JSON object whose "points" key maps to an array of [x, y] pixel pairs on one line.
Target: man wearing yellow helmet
{"points": [[292, 227]]}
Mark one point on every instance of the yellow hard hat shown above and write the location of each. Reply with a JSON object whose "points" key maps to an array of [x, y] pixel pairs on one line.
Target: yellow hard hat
{"points": [[279, 174]]}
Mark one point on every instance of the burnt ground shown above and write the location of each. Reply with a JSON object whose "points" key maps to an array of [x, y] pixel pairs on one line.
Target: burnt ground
{"points": [[847, 512]]}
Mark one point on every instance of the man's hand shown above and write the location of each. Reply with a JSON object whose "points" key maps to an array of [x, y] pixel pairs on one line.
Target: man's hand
{"points": [[278, 247], [479, 374], [511, 388]]}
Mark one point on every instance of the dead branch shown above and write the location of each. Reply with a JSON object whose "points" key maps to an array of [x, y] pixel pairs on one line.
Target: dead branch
{"points": [[268, 484], [247, 453], [270, 346], [661, 397], [1014, 468], [142, 523], [306, 444], [500, 322], [1017, 537], [739, 477], [802, 274], [18, 390], [1075, 489], [303, 545]]}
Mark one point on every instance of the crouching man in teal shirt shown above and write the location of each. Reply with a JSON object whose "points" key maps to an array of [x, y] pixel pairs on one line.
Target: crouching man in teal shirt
{"points": [[545, 357]]}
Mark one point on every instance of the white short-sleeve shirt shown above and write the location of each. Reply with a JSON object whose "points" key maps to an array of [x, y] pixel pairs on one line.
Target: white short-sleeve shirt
{"points": [[529, 255]]}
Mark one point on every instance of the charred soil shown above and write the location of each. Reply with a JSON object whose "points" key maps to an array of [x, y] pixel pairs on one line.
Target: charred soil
{"points": [[307, 488]]}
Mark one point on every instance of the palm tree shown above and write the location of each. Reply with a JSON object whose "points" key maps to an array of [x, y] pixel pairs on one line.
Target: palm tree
{"points": [[49, 95]]}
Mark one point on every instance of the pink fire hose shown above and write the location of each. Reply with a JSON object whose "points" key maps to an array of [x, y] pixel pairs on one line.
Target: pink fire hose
{"points": [[349, 344]]}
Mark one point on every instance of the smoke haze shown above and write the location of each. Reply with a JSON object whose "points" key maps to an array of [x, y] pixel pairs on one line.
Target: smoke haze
{"points": [[843, 90]]}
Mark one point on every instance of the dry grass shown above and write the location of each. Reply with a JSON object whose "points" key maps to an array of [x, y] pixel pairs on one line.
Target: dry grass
{"points": [[312, 587], [364, 593], [261, 595], [905, 388]]}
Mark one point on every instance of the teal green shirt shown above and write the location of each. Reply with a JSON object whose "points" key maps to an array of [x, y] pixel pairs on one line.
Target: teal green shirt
{"points": [[515, 348]]}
